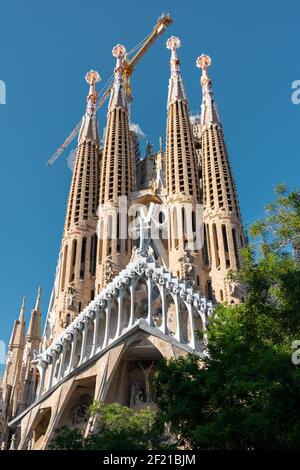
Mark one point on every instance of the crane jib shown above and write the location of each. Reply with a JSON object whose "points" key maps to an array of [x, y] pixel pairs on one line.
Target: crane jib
{"points": [[163, 22]]}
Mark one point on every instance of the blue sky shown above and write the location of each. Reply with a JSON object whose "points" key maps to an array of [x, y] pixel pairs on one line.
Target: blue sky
{"points": [[47, 48]]}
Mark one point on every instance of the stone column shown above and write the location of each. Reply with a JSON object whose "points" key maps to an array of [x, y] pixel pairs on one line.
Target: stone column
{"points": [[150, 316], [192, 325], [73, 350], [132, 291], [96, 326], [84, 338], [42, 370], [107, 322], [54, 359], [177, 312], [163, 327], [13, 442], [62, 360], [120, 311]]}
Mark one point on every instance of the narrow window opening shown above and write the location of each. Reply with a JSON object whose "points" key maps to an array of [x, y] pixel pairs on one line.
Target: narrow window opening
{"points": [[237, 258], [82, 260], [63, 278], [216, 245], [93, 254], [225, 244], [73, 260], [209, 290]]}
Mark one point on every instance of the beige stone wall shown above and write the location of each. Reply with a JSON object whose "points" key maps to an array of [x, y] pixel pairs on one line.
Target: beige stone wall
{"points": [[108, 378]]}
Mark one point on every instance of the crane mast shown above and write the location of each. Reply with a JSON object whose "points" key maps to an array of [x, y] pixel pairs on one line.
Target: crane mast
{"points": [[129, 65]]}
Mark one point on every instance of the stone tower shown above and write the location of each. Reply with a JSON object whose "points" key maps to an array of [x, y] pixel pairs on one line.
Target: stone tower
{"points": [[12, 374], [223, 223], [29, 373], [116, 181], [20, 377], [182, 182], [77, 262]]}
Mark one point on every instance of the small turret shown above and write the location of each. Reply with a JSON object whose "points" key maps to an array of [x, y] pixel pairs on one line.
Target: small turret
{"points": [[18, 335]]}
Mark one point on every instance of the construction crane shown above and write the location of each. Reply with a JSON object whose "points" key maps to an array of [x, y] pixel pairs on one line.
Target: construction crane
{"points": [[129, 65]]}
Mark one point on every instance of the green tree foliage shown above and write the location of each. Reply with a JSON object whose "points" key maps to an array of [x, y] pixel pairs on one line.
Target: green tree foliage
{"points": [[281, 224], [246, 393], [117, 428], [67, 439]]}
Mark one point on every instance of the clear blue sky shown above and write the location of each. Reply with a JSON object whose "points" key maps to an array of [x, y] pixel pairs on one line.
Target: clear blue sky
{"points": [[47, 48]]}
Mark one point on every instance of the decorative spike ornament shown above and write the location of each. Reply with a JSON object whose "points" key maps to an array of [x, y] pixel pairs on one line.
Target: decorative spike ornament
{"points": [[209, 111]]}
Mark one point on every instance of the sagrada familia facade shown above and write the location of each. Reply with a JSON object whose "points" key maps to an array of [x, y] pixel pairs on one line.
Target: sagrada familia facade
{"points": [[146, 251]]}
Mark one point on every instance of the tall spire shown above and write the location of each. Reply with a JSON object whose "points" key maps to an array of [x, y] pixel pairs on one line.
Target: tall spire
{"points": [[20, 326], [118, 94], [209, 112], [181, 171], [182, 180], [34, 328], [223, 224], [82, 201], [116, 179], [38, 300], [22, 311], [18, 338], [176, 86], [77, 259], [89, 126], [12, 372]]}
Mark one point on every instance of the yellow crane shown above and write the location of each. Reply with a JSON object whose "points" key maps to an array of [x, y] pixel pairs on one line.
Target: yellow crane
{"points": [[129, 65]]}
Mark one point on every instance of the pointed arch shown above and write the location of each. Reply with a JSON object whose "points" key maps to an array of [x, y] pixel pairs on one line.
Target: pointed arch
{"points": [[156, 305], [113, 323], [198, 325], [184, 323], [101, 329], [78, 349], [141, 299], [126, 309], [171, 314], [67, 358], [89, 340]]}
